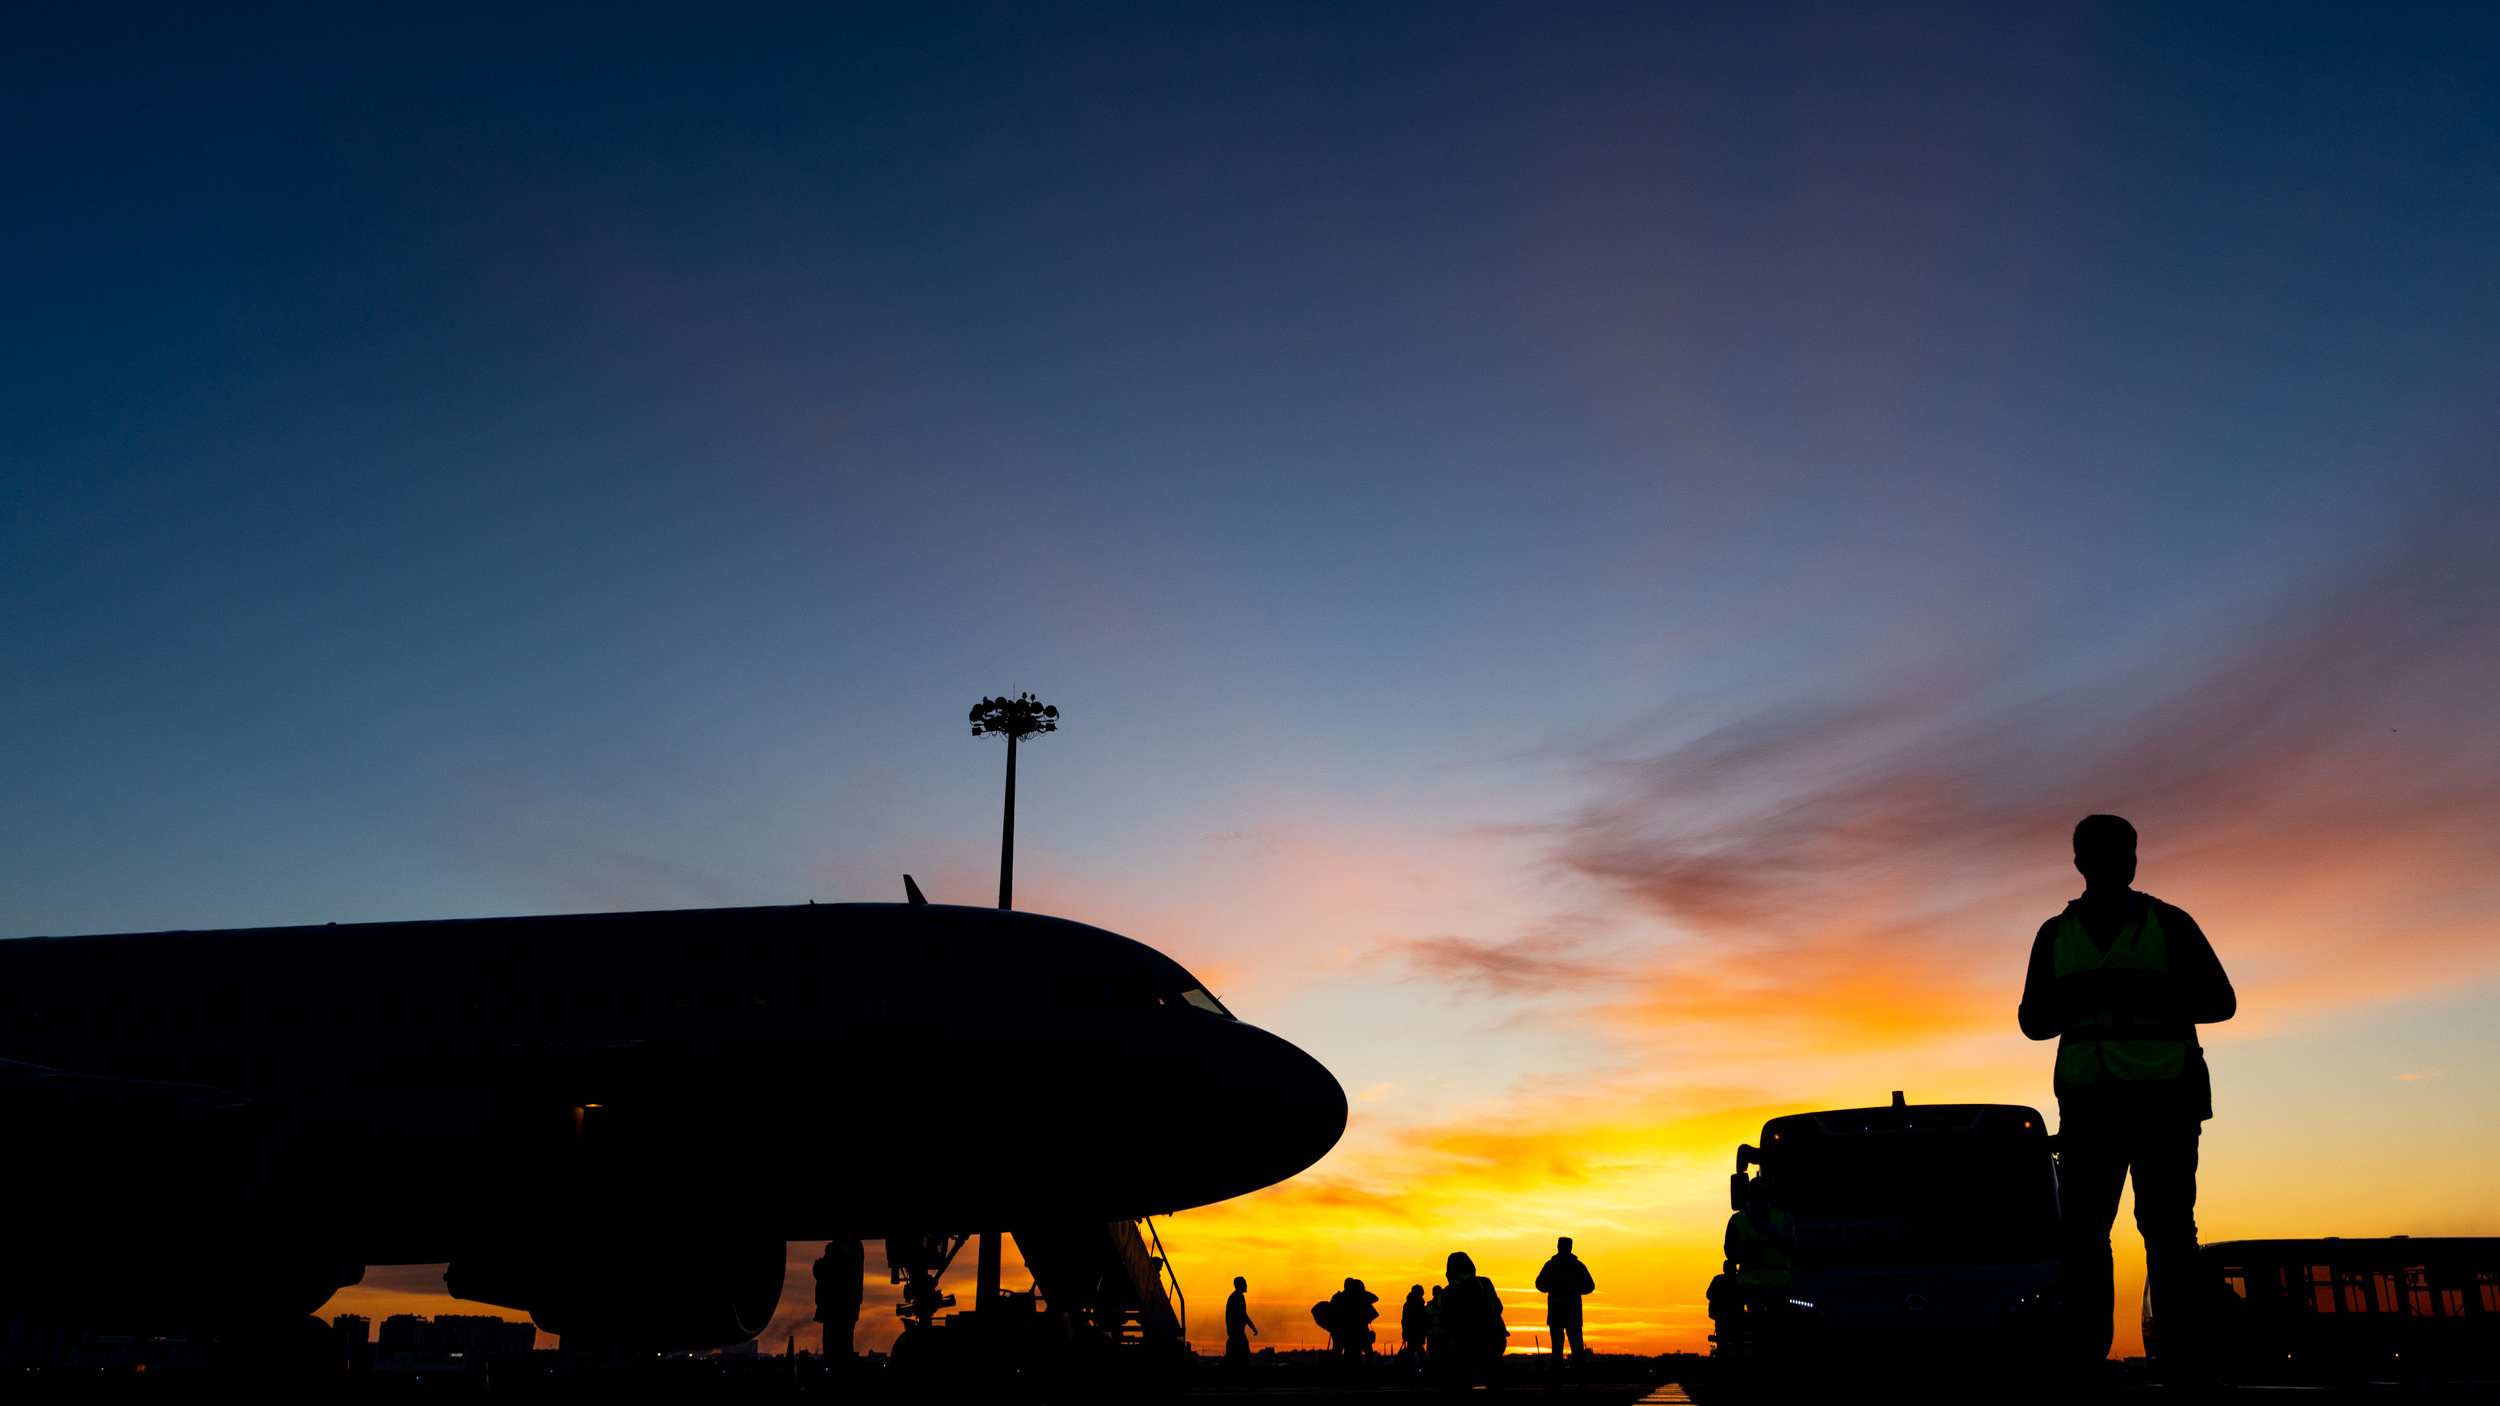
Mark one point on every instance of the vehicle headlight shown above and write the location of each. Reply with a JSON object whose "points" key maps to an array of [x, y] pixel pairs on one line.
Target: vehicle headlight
{"points": [[2039, 1305]]}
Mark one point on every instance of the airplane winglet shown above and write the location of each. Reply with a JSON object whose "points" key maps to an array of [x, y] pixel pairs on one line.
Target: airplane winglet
{"points": [[911, 891]]}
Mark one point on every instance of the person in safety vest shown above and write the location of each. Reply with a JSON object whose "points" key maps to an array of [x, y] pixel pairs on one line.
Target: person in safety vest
{"points": [[1762, 1243], [2121, 980], [1760, 1246]]}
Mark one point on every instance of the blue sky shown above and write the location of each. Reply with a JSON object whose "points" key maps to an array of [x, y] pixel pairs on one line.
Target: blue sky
{"points": [[1589, 487]]}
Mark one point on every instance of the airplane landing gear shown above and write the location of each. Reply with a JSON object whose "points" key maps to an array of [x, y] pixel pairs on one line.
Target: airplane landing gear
{"points": [[915, 1262]]}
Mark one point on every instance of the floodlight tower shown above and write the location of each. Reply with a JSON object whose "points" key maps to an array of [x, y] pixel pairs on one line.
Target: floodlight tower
{"points": [[1015, 719]]}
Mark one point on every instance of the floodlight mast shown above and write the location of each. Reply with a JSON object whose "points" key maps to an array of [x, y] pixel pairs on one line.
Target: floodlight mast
{"points": [[1015, 719]]}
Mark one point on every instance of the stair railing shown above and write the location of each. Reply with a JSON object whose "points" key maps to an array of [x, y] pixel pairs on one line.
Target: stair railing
{"points": [[1164, 1270]]}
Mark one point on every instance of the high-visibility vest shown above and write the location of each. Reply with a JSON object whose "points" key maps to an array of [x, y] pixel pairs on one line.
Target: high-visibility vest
{"points": [[2100, 1047], [1763, 1261]]}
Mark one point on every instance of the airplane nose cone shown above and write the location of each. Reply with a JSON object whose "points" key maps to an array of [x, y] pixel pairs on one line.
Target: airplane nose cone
{"points": [[1272, 1113]]}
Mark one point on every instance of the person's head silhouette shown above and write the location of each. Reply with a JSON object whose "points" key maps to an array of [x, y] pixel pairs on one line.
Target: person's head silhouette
{"points": [[2105, 853], [1461, 1267], [1240, 1284], [1562, 1244]]}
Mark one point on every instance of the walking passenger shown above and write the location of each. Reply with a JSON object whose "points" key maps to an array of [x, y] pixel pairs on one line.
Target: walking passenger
{"points": [[1471, 1317], [1237, 1325], [1414, 1326], [1351, 1314]]}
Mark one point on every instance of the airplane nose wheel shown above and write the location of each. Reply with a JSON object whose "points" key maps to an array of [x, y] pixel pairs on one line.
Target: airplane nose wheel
{"points": [[916, 1262]]}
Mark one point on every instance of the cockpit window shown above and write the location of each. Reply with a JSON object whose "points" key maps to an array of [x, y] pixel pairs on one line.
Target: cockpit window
{"points": [[1198, 997]]}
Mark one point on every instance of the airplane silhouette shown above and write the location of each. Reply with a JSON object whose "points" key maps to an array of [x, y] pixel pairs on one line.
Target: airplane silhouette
{"points": [[613, 1122]]}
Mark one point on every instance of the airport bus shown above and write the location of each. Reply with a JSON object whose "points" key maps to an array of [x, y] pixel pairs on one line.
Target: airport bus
{"points": [[1926, 1233], [2335, 1309]]}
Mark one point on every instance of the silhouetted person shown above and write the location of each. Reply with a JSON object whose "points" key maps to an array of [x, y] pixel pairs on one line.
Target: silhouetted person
{"points": [[838, 1274], [1563, 1281], [1351, 1317], [1237, 1325], [1471, 1319], [1414, 1325], [2122, 980], [1761, 1244]]}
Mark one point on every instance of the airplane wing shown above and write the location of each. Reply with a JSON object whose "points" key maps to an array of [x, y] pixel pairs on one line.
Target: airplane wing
{"points": [[44, 1093]]}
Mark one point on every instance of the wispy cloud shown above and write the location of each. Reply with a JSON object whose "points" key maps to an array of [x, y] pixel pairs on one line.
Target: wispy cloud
{"points": [[1521, 965], [2324, 782]]}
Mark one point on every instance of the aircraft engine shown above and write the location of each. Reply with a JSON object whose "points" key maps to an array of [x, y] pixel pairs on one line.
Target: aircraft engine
{"points": [[634, 1290]]}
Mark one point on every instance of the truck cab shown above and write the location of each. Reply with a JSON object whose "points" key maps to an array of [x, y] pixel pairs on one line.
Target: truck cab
{"points": [[1924, 1232]]}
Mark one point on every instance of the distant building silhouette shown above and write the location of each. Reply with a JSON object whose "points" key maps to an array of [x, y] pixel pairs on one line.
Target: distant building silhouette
{"points": [[409, 1343]]}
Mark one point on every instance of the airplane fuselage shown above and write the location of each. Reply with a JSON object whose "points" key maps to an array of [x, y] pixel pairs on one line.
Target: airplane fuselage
{"points": [[482, 1090]]}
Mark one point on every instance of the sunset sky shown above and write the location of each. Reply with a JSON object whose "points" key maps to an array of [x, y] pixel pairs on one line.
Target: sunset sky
{"points": [[1591, 555]]}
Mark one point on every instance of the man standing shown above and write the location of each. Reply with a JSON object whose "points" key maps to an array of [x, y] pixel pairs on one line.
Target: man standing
{"points": [[1237, 1325], [2122, 980], [1563, 1280], [838, 1294]]}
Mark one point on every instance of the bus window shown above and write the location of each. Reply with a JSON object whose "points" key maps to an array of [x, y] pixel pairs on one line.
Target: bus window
{"points": [[2383, 1293], [2420, 1301], [2322, 1287], [2236, 1279], [2356, 1293], [2489, 1282]]}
